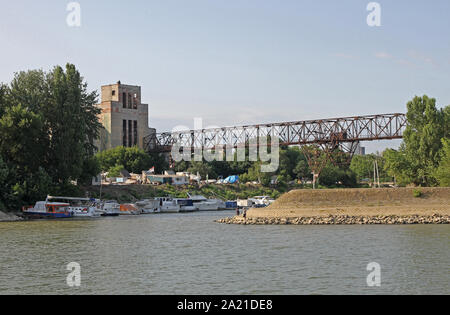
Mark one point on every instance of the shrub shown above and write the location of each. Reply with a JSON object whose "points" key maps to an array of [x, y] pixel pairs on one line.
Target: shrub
{"points": [[417, 193]]}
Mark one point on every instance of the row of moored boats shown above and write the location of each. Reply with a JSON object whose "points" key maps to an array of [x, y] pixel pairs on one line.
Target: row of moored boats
{"points": [[68, 207]]}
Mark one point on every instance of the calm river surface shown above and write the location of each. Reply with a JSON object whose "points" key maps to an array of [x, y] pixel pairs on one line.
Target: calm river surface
{"points": [[189, 254]]}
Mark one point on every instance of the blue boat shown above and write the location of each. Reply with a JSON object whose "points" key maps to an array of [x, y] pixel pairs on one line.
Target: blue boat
{"points": [[48, 210]]}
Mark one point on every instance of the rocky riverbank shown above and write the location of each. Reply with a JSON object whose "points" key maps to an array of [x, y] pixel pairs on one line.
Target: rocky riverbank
{"points": [[354, 206], [7, 217], [341, 220]]}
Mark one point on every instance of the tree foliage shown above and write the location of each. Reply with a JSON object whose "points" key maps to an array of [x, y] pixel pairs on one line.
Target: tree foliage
{"points": [[420, 155], [48, 124], [132, 159], [443, 171]]}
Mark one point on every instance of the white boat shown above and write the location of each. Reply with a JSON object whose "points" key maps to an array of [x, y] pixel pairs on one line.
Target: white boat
{"points": [[168, 205], [202, 203], [262, 200], [110, 208], [186, 204], [80, 207], [148, 206]]}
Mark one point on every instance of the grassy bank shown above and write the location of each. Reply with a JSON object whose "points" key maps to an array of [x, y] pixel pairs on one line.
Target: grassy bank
{"points": [[136, 192], [358, 202]]}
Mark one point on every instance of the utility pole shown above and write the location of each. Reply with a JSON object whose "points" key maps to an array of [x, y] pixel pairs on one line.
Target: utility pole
{"points": [[378, 174], [374, 175]]}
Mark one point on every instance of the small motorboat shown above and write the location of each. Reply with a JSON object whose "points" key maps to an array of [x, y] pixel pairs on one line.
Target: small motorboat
{"points": [[262, 201], [80, 207], [148, 206], [110, 208], [48, 210]]}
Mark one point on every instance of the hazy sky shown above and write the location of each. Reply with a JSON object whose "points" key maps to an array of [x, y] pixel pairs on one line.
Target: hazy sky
{"points": [[235, 62]]}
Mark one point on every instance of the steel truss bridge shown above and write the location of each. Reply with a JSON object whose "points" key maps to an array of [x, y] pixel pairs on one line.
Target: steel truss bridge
{"points": [[329, 135]]}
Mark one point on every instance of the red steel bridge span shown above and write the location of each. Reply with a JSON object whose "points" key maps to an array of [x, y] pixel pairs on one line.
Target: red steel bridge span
{"points": [[333, 131], [314, 136]]}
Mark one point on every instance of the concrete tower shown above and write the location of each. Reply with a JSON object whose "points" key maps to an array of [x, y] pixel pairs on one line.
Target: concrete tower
{"points": [[124, 117]]}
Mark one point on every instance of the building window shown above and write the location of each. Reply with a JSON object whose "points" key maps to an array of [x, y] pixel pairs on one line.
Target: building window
{"points": [[124, 100], [135, 101], [135, 131], [130, 104], [130, 133], [124, 133], [113, 92]]}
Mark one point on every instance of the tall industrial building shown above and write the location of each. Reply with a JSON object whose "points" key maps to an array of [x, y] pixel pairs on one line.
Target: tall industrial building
{"points": [[123, 116]]}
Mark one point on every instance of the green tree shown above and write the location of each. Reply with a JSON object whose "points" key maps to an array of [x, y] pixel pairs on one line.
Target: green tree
{"points": [[4, 189], [3, 91], [397, 166], [289, 159], [48, 123], [68, 114], [422, 137], [115, 170], [73, 124], [204, 169], [443, 171], [332, 176], [362, 166], [133, 159], [23, 139]]}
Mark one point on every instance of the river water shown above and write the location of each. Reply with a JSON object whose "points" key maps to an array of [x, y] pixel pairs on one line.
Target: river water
{"points": [[190, 254]]}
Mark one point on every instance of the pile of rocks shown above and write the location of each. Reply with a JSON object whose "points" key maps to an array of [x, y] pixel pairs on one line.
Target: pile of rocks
{"points": [[340, 220], [7, 217]]}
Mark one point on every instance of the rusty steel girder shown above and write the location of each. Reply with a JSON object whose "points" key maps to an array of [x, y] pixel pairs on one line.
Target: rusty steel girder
{"points": [[332, 132]]}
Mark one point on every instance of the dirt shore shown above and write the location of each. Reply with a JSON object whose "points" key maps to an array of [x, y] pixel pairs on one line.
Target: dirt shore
{"points": [[355, 206]]}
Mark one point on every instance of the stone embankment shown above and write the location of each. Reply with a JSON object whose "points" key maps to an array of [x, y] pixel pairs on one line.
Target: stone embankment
{"points": [[354, 206], [341, 220], [6, 217]]}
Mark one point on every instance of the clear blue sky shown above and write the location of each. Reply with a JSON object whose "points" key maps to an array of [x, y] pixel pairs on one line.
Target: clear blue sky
{"points": [[241, 61]]}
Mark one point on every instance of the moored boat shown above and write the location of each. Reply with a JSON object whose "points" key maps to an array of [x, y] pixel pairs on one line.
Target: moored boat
{"points": [[168, 205], [129, 209], [202, 203], [262, 201], [48, 210], [186, 204], [148, 206], [80, 207], [110, 208]]}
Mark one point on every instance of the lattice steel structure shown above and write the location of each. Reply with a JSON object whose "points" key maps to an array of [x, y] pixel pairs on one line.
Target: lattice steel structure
{"points": [[331, 134]]}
